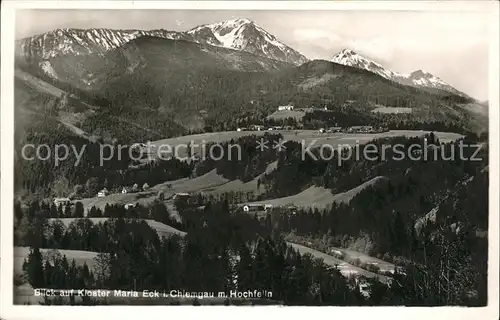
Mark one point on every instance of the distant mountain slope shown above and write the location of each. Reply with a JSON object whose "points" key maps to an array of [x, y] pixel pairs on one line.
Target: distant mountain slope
{"points": [[36, 102], [237, 34], [178, 78], [339, 85], [82, 42], [153, 54], [417, 78]]}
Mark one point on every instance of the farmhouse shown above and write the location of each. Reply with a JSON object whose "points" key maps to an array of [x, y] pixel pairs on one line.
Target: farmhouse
{"points": [[62, 201], [253, 207], [257, 127], [256, 207], [360, 129], [335, 129], [354, 129], [134, 188], [129, 205], [285, 108], [181, 195], [103, 193]]}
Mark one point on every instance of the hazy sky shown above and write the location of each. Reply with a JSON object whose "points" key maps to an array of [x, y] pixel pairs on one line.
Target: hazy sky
{"points": [[450, 45]]}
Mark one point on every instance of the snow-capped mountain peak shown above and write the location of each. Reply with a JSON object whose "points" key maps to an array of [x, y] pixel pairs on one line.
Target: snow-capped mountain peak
{"points": [[421, 75], [350, 58], [237, 22], [243, 34], [418, 78], [426, 79], [82, 41]]}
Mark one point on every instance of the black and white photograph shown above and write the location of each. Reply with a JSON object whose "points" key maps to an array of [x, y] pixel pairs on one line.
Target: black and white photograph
{"points": [[250, 154]]}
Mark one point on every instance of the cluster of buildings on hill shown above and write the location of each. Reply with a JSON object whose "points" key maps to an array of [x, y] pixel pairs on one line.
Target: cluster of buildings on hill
{"points": [[103, 193], [351, 129], [291, 108], [263, 128], [135, 188], [265, 208], [354, 129]]}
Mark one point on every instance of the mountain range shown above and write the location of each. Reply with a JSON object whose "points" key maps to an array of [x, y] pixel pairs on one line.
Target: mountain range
{"points": [[238, 34], [418, 78]]}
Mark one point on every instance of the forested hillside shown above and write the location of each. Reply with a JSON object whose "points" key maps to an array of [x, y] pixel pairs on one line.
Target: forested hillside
{"points": [[200, 87]]}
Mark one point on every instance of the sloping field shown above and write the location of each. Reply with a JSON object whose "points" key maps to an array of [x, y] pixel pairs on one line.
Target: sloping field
{"points": [[345, 268], [38, 84], [345, 197], [353, 139], [77, 131], [162, 229], [240, 186], [318, 197], [208, 180], [80, 257], [313, 197], [179, 145], [142, 198]]}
